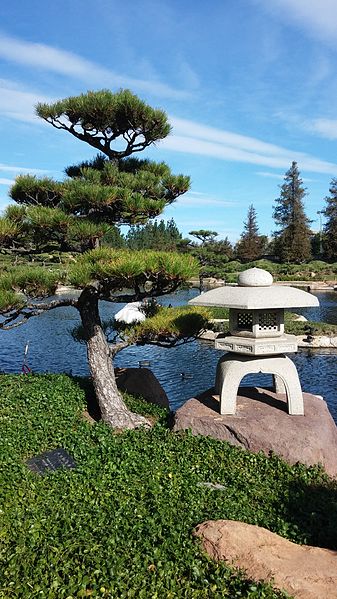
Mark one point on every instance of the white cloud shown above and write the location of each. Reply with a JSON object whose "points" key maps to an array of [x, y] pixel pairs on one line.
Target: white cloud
{"points": [[70, 64], [317, 17], [271, 175], [4, 181], [18, 103], [19, 169], [193, 138], [324, 127], [276, 176], [228, 138], [195, 198]]}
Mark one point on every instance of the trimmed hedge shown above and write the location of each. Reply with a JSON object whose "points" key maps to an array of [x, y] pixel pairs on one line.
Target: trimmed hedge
{"points": [[120, 524]]}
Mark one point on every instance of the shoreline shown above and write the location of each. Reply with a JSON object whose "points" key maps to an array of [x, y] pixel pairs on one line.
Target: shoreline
{"points": [[311, 286]]}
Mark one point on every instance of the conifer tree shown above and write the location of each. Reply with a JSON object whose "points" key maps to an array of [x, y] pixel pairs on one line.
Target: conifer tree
{"points": [[250, 245], [292, 239], [113, 188], [204, 235], [154, 236], [330, 227]]}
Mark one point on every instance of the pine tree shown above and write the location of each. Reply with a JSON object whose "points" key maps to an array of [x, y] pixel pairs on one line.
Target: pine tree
{"points": [[113, 188], [154, 236], [330, 227], [292, 240], [250, 245], [204, 235]]}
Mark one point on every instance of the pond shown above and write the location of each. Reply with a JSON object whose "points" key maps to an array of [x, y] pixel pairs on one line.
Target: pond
{"points": [[183, 371]]}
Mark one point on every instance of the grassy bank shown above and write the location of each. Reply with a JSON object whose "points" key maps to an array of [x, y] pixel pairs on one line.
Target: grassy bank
{"points": [[120, 524]]}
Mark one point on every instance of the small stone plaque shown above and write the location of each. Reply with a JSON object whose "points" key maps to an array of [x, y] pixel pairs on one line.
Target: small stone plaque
{"points": [[51, 460]]}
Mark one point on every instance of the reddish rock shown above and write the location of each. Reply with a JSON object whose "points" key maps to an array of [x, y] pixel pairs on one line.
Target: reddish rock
{"points": [[304, 572], [141, 381], [262, 423]]}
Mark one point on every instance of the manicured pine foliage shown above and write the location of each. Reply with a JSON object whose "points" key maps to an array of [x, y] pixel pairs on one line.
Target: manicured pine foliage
{"points": [[250, 245], [204, 235], [212, 254], [292, 240], [112, 189], [120, 525], [330, 227]]}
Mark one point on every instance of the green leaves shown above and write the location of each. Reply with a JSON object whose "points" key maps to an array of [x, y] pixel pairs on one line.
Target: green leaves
{"points": [[101, 117], [292, 240], [8, 231], [127, 269], [28, 189], [32, 281], [120, 524], [170, 325]]}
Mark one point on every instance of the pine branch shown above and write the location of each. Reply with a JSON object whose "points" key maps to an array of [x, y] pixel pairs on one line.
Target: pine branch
{"points": [[33, 310]]}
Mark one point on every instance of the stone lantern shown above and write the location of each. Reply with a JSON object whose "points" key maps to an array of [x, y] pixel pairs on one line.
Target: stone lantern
{"points": [[257, 342]]}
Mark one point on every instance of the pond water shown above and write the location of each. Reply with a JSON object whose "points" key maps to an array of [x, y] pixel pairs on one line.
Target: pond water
{"points": [[183, 371]]}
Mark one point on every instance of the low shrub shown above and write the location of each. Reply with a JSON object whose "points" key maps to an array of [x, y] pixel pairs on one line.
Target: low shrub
{"points": [[120, 524]]}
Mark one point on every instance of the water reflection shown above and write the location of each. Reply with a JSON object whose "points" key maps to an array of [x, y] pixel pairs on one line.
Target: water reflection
{"points": [[326, 311]]}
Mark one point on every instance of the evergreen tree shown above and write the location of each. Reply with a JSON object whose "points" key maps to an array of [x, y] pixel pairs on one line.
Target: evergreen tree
{"points": [[330, 227], [154, 236], [204, 235], [251, 244], [113, 188], [292, 240]]}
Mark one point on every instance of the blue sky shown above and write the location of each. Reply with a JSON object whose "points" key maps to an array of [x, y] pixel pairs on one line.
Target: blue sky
{"points": [[248, 85]]}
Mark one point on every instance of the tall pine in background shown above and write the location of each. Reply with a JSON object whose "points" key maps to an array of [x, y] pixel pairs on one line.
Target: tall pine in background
{"points": [[250, 245], [330, 227], [292, 239]]}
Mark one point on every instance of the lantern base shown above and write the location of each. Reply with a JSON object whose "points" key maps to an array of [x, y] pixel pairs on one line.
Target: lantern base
{"points": [[285, 344], [232, 368]]}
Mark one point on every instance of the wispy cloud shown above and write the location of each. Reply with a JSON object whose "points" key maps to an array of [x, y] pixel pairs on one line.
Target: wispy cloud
{"points": [[8, 168], [317, 17], [269, 175], [279, 176], [323, 127], [196, 198], [4, 181], [17, 102], [59, 61], [193, 138]]}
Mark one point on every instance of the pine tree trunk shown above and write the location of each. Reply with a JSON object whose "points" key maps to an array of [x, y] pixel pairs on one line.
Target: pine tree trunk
{"points": [[112, 406]]}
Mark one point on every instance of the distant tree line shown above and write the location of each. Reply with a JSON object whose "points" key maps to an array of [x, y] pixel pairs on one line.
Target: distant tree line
{"points": [[39, 226], [292, 242]]}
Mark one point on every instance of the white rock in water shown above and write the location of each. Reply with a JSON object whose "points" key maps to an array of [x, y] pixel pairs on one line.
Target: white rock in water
{"points": [[130, 313]]}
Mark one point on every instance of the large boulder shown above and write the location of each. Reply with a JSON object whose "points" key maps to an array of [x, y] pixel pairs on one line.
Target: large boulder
{"points": [[304, 572], [141, 381], [261, 423]]}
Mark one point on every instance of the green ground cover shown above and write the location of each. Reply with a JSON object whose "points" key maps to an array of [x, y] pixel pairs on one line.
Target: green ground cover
{"points": [[315, 270], [120, 524]]}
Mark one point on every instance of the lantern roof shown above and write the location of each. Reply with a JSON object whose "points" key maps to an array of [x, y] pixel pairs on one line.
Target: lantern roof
{"points": [[255, 291]]}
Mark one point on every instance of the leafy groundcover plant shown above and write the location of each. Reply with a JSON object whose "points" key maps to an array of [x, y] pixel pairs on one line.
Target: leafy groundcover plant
{"points": [[120, 524]]}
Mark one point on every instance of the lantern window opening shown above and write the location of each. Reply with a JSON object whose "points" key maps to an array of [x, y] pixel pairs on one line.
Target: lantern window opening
{"points": [[245, 321], [268, 321]]}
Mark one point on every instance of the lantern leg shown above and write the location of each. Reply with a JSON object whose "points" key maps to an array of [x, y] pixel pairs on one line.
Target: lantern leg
{"points": [[232, 368], [278, 385]]}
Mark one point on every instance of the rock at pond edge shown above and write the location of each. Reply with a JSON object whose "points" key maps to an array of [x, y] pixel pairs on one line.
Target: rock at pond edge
{"points": [[261, 423], [142, 381]]}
